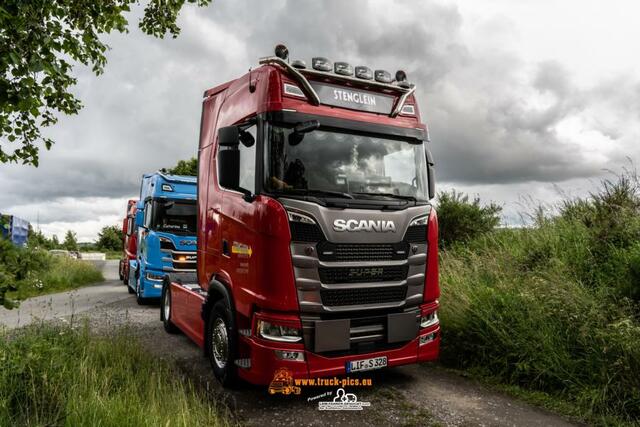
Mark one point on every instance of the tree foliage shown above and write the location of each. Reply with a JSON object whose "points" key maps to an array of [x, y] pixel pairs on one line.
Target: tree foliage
{"points": [[70, 241], [461, 219], [39, 42], [110, 238], [185, 167]]}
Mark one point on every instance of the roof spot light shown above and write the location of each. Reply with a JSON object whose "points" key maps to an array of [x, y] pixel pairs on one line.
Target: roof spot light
{"points": [[282, 52], [401, 79], [299, 63], [363, 72], [321, 64], [343, 68], [382, 76]]}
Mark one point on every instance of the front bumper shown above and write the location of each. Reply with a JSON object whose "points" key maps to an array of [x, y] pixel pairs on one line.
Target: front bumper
{"points": [[153, 288], [264, 361]]}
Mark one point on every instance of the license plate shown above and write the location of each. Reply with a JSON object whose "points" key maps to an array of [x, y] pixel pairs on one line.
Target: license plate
{"points": [[367, 364]]}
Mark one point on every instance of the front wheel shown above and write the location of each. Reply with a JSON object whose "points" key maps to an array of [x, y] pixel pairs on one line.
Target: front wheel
{"points": [[165, 311], [222, 343]]}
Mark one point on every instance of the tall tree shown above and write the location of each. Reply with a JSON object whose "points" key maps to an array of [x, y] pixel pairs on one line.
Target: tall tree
{"points": [[39, 41], [185, 167], [70, 241], [110, 238]]}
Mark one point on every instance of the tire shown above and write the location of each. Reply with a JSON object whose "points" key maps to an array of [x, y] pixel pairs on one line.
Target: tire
{"points": [[221, 330], [165, 311], [121, 270], [139, 299]]}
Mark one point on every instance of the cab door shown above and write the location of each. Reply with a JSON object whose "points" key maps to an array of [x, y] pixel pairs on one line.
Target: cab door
{"points": [[239, 224]]}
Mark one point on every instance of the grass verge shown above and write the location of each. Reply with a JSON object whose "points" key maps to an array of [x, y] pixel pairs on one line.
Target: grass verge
{"points": [[64, 376], [552, 312], [59, 274]]}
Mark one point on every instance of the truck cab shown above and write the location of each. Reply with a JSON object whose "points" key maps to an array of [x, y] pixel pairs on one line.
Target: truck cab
{"points": [[130, 240], [317, 240], [166, 227]]}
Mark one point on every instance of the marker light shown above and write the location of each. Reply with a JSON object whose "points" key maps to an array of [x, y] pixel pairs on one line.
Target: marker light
{"points": [[408, 110], [282, 52], [321, 64], [343, 68], [293, 90], [299, 63], [167, 187], [363, 72], [382, 76]]}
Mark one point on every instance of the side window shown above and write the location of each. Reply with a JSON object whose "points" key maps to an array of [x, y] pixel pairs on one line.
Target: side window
{"points": [[248, 162]]}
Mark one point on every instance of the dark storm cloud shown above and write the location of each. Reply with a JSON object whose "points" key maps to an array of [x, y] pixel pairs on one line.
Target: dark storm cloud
{"points": [[144, 112]]}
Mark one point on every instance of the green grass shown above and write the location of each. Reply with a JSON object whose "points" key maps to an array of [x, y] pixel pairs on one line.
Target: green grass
{"points": [[58, 274], [63, 376], [547, 311]]}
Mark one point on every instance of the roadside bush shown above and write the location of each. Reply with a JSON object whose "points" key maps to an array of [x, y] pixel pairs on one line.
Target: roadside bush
{"points": [[26, 272], [554, 307], [64, 376], [461, 219]]}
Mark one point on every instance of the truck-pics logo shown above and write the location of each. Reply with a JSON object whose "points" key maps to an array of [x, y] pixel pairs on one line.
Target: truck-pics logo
{"points": [[282, 382], [380, 226]]}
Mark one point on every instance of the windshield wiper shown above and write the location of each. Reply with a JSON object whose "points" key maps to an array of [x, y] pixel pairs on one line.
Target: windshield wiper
{"points": [[394, 196], [316, 193]]}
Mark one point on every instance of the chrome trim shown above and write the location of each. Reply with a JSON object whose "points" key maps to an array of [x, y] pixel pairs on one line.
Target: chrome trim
{"points": [[171, 269], [299, 76], [401, 101], [274, 60]]}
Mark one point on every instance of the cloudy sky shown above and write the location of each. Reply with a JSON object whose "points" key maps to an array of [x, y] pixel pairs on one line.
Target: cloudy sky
{"points": [[524, 100]]}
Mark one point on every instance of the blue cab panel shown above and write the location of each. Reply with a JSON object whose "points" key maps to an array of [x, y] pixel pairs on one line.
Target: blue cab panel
{"points": [[166, 224]]}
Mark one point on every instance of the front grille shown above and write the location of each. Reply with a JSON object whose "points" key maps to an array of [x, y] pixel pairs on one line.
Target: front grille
{"points": [[360, 296], [301, 232], [362, 274], [416, 234], [362, 251]]}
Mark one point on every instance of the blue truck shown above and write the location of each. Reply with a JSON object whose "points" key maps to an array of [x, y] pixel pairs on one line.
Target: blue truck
{"points": [[166, 221], [15, 229]]}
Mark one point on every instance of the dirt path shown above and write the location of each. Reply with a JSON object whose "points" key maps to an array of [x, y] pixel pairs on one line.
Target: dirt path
{"points": [[416, 395]]}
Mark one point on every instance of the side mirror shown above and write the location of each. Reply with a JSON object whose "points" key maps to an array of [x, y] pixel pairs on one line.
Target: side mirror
{"points": [[229, 157], [300, 129], [431, 174], [229, 160]]}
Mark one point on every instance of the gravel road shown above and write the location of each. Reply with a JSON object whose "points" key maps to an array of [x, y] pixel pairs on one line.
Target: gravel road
{"points": [[411, 395]]}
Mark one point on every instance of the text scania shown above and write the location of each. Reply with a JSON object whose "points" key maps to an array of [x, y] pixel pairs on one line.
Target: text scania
{"points": [[359, 98], [364, 225]]}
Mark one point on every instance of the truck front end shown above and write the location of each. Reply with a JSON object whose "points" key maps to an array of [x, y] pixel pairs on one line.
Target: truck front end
{"points": [[167, 233], [347, 163]]}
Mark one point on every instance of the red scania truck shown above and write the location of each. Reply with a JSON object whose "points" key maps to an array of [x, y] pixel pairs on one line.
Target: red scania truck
{"points": [[130, 241], [317, 243]]}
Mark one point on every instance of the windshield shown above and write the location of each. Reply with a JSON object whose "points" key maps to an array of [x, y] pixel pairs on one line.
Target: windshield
{"points": [[354, 165], [177, 217]]}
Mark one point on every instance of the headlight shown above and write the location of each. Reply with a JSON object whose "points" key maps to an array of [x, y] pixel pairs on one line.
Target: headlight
{"points": [[278, 333], [421, 220], [300, 217], [155, 277], [429, 320]]}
